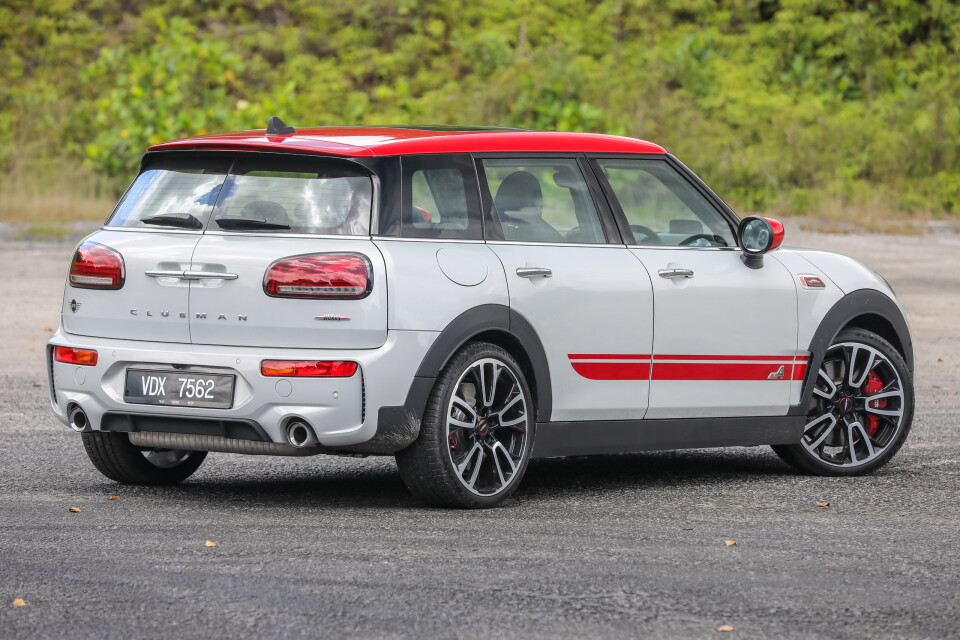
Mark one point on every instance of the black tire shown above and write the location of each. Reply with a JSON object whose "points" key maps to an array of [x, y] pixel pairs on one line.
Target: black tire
{"points": [[803, 459], [427, 466], [114, 456]]}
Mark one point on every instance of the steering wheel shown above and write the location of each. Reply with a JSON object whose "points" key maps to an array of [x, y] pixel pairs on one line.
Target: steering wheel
{"points": [[651, 235], [714, 240]]}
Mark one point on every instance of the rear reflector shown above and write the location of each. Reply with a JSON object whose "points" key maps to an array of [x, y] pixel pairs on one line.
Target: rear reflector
{"points": [[319, 276], [86, 357], [95, 266], [308, 369]]}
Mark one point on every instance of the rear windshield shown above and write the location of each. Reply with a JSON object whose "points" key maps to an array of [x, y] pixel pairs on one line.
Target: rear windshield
{"points": [[255, 194]]}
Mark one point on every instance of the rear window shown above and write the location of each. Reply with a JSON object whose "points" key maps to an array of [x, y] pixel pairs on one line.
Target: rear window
{"points": [[255, 194]]}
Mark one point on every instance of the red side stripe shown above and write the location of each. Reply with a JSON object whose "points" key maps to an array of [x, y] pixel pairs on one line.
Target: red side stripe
{"points": [[690, 371], [608, 356], [693, 357], [715, 367], [612, 370]]}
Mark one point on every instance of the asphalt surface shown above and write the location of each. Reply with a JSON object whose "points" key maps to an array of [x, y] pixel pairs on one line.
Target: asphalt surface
{"points": [[617, 546]]}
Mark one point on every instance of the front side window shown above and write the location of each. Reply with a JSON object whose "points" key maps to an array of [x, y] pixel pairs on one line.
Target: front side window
{"points": [[662, 208], [543, 200]]}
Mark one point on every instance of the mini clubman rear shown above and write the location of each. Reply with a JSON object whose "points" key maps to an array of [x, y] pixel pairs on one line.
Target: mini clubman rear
{"points": [[464, 300]]}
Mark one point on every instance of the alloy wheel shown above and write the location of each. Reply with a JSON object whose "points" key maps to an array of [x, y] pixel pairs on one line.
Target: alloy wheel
{"points": [[487, 427], [857, 408]]}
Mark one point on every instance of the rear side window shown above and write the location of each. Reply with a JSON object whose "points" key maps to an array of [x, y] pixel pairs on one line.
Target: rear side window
{"points": [[440, 198], [248, 194], [662, 208], [543, 200]]}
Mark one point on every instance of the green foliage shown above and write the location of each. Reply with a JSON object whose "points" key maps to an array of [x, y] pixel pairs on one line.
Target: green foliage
{"points": [[781, 105]]}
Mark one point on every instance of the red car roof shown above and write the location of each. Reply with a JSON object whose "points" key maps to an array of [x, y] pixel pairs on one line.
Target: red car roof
{"points": [[388, 141]]}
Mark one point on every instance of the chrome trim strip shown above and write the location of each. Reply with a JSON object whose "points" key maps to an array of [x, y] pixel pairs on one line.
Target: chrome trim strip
{"points": [[434, 240], [192, 275], [556, 244]]}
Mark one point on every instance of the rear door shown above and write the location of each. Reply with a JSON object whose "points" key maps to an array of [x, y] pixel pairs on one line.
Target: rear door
{"points": [[154, 228], [287, 260], [725, 335], [587, 297]]}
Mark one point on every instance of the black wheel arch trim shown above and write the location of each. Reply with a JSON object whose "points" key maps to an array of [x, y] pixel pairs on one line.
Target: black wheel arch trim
{"points": [[468, 325], [845, 311]]}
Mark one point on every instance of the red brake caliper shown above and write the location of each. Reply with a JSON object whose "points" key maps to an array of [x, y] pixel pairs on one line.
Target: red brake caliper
{"points": [[874, 384]]}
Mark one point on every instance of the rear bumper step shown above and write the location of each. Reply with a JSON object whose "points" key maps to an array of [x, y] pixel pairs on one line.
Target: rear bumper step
{"points": [[234, 429], [197, 442]]}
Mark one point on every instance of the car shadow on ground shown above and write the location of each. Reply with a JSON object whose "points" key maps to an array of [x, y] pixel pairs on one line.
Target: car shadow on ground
{"points": [[376, 484]]}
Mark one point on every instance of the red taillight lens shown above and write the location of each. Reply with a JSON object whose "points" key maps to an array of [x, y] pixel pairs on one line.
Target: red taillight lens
{"points": [[319, 276], [308, 369], [95, 266], [86, 357]]}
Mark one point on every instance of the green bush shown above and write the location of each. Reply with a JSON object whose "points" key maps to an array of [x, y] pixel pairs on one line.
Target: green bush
{"points": [[779, 104]]}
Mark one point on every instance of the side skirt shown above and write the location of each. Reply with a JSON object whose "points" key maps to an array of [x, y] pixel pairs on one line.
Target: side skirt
{"points": [[555, 439]]}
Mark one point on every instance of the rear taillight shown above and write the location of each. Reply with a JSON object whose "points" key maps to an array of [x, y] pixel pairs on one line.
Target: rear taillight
{"points": [[95, 266], [308, 368], [341, 275], [86, 357]]}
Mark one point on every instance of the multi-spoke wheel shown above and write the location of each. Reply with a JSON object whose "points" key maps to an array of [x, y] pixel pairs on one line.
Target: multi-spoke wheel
{"points": [[114, 456], [860, 410], [476, 433]]}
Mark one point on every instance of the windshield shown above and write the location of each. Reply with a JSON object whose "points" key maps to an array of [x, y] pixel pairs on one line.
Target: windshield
{"points": [[276, 195]]}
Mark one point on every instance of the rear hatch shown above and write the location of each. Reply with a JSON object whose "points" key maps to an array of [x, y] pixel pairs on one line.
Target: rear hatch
{"points": [[280, 256]]}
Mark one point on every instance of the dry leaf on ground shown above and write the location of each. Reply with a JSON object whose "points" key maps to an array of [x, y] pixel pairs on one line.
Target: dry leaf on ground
{"points": [[725, 627], [47, 329], [940, 360], [113, 498], [210, 543], [823, 504], [18, 602], [730, 543], [74, 509]]}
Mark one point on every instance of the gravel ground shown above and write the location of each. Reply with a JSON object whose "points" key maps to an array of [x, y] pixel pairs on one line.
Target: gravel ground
{"points": [[618, 546]]}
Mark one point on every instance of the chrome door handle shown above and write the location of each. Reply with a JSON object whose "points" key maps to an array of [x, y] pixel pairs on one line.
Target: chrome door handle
{"points": [[192, 275], [533, 272], [676, 273]]}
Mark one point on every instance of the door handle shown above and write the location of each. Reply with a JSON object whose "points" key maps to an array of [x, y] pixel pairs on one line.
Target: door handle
{"points": [[676, 273], [192, 275], [533, 272]]}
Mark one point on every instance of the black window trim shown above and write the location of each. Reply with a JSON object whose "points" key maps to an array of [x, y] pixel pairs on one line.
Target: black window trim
{"points": [[493, 232], [689, 176]]}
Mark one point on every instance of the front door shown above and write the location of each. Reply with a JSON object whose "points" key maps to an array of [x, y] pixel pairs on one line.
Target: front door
{"points": [[589, 300], [725, 335]]}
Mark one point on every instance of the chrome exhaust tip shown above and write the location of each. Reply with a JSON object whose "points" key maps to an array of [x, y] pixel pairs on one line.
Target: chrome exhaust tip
{"points": [[78, 420], [300, 435]]}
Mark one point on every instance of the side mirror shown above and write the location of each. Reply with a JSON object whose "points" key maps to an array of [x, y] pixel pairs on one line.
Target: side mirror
{"points": [[757, 235]]}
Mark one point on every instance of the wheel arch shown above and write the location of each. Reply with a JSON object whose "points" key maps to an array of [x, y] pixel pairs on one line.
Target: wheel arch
{"points": [[497, 324], [867, 309]]}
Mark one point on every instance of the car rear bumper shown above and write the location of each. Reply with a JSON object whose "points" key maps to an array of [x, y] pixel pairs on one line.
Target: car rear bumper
{"points": [[341, 411]]}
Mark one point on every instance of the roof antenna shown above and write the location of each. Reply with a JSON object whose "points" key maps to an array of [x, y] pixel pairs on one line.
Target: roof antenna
{"points": [[275, 127]]}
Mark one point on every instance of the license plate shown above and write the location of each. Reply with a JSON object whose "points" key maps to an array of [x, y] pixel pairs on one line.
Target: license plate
{"points": [[179, 389]]}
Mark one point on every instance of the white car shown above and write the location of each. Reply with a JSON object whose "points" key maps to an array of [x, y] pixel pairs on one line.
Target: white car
{"points": [[466, 300]]}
